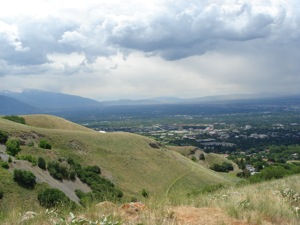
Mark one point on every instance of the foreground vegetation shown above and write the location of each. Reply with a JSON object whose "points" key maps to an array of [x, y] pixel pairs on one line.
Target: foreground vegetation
{"points": [[272, 202]]}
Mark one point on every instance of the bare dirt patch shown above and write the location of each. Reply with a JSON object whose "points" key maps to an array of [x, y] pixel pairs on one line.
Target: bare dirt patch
{"points": [[68, 187], [187, 215]]}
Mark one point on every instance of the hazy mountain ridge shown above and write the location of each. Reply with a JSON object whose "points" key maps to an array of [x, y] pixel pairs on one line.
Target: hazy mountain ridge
{"points": [[51, 100], [11, 105], [37, 101]]}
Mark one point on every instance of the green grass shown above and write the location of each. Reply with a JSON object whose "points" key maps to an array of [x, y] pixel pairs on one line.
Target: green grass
{"points": [[126, 159]]}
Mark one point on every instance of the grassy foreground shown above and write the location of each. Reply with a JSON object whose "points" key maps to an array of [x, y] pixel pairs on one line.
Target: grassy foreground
{"points": [[273, 202]]}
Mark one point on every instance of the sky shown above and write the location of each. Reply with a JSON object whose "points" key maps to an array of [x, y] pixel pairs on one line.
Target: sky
{"points": [[109, 50]]}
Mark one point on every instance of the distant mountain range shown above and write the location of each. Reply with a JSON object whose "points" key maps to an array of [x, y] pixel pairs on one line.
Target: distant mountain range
{"points": [[12, 106], [37, 101]]}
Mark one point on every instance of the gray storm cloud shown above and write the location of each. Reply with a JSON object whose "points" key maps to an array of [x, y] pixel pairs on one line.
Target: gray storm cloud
{"points": [[177, 30], [259, 39]]}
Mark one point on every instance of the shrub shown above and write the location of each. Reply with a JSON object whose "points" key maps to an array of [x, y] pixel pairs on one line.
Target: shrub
{"points": [[24, 178], [13, 147], [145, 193], [44, 144], [3, 137], [52, 197], [94, 169], [42, 163], [102, 188], [61, 171], [1, 194], [28, 158], [16, 119], [194, 159], [201, 156], [5, 165], [224, 167], [9, 159]]}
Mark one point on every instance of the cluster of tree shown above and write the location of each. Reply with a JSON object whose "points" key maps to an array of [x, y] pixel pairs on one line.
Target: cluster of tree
{"points": [[24, 178], [276, 171], [17, 119], [61, 171], [224, 167], [102, 188]]}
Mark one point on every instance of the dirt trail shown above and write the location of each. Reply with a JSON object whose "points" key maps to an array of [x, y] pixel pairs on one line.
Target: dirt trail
{"points": [[177, 179]]}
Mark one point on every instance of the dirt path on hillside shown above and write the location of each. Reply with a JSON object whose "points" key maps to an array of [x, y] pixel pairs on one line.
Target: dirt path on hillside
{"points": [[177, 179]]}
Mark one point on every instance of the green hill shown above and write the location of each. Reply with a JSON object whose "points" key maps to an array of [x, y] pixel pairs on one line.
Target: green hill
{"points": [[132, 162], [128, 159]]}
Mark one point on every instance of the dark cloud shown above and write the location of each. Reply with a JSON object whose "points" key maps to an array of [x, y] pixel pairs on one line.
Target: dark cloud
{"points": [[193, 28]]}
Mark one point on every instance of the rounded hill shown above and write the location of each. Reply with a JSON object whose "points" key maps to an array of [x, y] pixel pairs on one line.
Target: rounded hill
{"points": [[52, 122]]}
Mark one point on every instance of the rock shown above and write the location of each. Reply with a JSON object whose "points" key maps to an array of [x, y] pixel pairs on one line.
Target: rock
{"points": [[133, 207], [106, 205], [28, 216]]}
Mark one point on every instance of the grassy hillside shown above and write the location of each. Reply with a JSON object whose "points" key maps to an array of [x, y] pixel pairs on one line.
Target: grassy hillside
{"points": [[210, 158], [180, 190], [52, 122], [129, 160]]}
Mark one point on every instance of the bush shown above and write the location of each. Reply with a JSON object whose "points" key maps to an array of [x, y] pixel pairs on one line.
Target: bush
{"points": [[201, 156], [24, 178], [194, 159], [61, 171], [28, 158], [5, 165], [42, 163], [44, 144], [52, 197], [16, 119], [94, 169], [13, 147], [3, 137], [145, 193], [102, 188], [224, 167]]}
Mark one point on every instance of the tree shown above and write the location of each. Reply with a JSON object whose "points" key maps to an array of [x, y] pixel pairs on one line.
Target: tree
{"points": [[42, 163], [13, 147]]}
